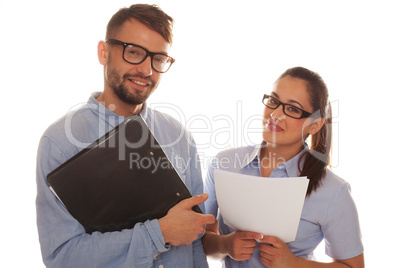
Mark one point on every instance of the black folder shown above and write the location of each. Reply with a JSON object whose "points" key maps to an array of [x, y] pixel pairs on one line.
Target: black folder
{"points": [[119, 180]]}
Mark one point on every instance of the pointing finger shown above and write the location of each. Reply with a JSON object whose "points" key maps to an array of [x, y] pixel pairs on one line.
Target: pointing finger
{"points": [[193, 201]]}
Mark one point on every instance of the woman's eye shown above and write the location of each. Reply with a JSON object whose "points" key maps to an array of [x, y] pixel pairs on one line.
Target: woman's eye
{"points": [[294, 110]]}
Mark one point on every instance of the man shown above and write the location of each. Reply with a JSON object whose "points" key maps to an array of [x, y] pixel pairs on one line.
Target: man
{"points": [[134, 56]]}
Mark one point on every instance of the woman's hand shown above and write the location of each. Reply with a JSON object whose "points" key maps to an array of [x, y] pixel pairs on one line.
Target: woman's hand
{"points": [[276, 254], [240, 245]]}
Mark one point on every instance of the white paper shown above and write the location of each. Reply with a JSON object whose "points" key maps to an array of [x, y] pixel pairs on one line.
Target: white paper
{"points": [[270, 206]]}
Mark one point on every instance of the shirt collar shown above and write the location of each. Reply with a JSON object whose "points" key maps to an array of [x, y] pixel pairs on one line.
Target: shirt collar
{"points": [[291, 166], [254, 154], [107, 115]]}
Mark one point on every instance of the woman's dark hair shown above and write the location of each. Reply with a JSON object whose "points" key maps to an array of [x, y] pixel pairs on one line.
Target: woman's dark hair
{"points": [[318, 156], [149, 15]]}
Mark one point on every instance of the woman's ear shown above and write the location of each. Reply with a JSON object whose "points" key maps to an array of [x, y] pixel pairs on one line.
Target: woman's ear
{"points": [[103, 52], [316, 125]]}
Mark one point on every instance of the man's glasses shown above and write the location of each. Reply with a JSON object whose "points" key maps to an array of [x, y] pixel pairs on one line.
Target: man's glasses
{"points": [[288, 109], [135, 54]]}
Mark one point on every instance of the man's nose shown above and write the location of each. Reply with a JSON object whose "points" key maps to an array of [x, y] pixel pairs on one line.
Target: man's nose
{"points": [[145, 67]]}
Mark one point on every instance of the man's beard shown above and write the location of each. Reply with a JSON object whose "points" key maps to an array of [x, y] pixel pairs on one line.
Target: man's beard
{"points": [[123, 93]]}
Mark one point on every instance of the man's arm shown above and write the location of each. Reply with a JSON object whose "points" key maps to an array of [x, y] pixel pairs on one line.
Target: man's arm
{"points": [[64, 242]]}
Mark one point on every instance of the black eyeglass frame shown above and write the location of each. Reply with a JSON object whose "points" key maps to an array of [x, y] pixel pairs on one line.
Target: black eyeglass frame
{"points": [[303, 115], [148, 53]]}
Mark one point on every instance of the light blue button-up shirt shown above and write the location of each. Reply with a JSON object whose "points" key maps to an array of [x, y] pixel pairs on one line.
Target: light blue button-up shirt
{"points": [[328, 213], [63, 240]]}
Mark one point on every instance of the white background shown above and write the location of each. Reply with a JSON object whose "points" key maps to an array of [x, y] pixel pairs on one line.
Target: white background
{"points": [[228, 53]]}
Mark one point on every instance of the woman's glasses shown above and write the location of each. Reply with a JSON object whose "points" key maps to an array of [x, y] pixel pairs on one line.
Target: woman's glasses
{"points": [[288, 109]]}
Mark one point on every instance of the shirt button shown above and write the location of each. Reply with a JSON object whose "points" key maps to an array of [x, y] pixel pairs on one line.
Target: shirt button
{"points": [[281, 166], [161, 266]]}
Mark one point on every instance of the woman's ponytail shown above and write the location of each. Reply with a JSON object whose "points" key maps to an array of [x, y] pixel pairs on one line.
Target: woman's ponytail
{"points": [[316, 159]]}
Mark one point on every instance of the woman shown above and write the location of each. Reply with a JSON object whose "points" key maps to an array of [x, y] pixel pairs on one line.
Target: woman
{"points": [[298, 107]]}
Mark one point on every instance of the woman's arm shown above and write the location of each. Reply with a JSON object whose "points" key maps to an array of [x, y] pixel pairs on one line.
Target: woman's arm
{"points": [[238, 245], [275, 253]]}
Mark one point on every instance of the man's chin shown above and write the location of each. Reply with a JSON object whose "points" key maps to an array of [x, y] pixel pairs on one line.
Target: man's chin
{"points": [[132, 99]]}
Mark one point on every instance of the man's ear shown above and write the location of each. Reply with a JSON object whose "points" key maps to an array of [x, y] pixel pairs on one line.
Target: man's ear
{"points": [[103, 52]]}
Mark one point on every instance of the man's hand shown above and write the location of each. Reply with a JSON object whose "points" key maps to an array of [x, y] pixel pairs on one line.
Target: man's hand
{"points": [[182, 225]]}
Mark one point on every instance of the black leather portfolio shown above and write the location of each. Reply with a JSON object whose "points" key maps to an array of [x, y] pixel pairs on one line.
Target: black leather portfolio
{"points": [[122, 178]]}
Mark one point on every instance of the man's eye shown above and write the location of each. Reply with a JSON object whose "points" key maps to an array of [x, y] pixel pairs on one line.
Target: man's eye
{"points": [[135, 52], [160, 59], [272, 101]]}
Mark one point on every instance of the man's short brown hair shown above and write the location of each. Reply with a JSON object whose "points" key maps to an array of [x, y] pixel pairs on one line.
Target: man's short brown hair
{"points": [[150, 15]]}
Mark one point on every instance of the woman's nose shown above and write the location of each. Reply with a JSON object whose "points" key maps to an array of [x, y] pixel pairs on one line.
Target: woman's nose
{"points": [[278, 114]]}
